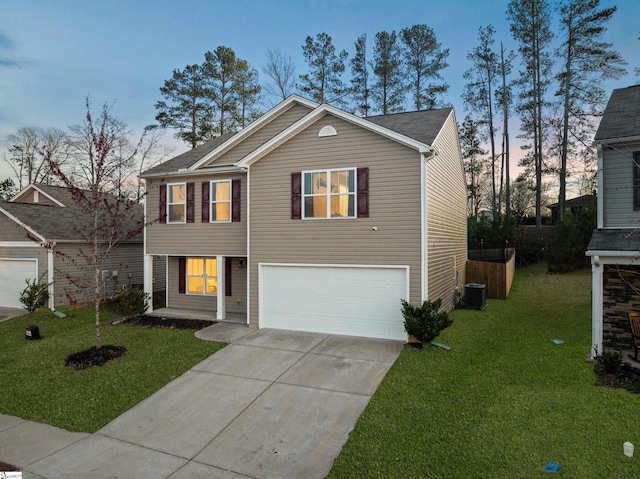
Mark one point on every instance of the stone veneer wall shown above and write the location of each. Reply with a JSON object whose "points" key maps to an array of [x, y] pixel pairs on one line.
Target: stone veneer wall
{"points": [[621, 294]]}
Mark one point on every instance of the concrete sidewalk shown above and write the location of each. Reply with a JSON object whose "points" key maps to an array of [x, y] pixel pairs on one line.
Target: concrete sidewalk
{"points": [[272, 404]]}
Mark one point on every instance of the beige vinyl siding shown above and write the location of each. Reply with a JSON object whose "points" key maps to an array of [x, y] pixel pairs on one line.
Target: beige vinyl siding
{"points": [[265, 133], [197, 238], [10, 231], [33, 252], [617, 182], [447, 217], [208, 303], [394, 205], [126, 259]]}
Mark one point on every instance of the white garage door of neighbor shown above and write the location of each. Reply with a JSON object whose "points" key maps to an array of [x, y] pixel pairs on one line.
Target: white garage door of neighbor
{"points": [[348, 300], [13, 273]]}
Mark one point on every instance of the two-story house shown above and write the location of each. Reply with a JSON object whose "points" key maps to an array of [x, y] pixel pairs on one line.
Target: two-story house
{"points": [[615, 245], [313, 219]]}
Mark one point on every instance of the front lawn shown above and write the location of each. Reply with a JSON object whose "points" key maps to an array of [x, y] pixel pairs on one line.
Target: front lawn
{"points": [[37, 386], [504, 401]]}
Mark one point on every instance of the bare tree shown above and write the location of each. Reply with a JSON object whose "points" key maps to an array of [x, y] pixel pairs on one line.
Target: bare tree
{"points": [[282, 71]]}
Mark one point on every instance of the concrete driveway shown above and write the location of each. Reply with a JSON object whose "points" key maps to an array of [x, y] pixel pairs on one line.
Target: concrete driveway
{"points": [[10, 313], [273, 404]]}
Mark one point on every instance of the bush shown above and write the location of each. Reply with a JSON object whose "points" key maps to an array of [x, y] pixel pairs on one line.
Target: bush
{"points": [[130, 302], [35, 295], [611, 361], [570, 241], [425, 322]]}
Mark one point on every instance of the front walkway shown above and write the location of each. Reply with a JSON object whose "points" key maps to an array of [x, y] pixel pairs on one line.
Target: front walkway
{"points": [[273, 404]]}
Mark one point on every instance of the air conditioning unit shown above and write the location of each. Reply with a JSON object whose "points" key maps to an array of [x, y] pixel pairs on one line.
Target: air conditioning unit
{"points": [[475, 295]]}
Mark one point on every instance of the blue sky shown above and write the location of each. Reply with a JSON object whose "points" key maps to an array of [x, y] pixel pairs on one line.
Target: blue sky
{"points": [[54, 53]]}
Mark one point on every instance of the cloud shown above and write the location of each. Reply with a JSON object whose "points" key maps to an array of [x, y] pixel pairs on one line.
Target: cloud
{"points": [[6, 45], [5, 42]]}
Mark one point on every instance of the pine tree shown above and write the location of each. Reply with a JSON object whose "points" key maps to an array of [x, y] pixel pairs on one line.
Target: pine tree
{"points": [[472, 153], [220, 70], [360, 76], [388, 89], [587, 63], [323, 83], [530, 26], [247, 90], [424, 58]]}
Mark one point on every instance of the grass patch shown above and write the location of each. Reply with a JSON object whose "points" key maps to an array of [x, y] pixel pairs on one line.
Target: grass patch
{"points": [[37, 386], [504, 401]]}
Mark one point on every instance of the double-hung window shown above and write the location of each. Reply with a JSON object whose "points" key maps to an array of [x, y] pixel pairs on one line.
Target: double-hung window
{"points": [[220, 201], [176, 202], [329, 193], [202, 276]]}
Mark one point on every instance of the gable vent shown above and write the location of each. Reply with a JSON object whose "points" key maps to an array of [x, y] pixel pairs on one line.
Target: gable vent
{"points": [[327, 131]]}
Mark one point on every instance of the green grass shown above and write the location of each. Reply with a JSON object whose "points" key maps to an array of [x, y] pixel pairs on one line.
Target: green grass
{"points": [[504, 401], [37, 386]]}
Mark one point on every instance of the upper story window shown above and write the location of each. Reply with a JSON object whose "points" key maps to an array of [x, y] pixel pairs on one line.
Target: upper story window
{"points": [[636, 180], [329, 193], [220, 201], [176, 202]]}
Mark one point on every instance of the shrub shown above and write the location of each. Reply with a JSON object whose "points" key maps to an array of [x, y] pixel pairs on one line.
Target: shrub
{"points": [[130, 302], [35, 295], [425, 322], [571, 239], [611, 361]]}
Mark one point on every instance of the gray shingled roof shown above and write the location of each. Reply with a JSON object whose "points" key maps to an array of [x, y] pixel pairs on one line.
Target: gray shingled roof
{"points": [[188, 158], [423, 126], [56, 223], [621, 117], [615, 240]]}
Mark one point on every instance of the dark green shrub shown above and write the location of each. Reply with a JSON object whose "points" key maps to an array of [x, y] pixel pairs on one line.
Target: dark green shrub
{"points": [[425, 322], [35, 295], [611, 361], [130, 302], [570, 241]]}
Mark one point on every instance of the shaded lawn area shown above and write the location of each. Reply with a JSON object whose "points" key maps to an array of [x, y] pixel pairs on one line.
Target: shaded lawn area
{"points": [[37, 386], [504, 401]]}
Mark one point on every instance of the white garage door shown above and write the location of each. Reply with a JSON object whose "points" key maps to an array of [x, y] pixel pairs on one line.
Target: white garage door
{"points": [[13, 273], [349, 300]]}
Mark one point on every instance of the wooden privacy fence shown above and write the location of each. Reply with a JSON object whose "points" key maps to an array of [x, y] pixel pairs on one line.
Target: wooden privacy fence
{"points": [[494, 268]]}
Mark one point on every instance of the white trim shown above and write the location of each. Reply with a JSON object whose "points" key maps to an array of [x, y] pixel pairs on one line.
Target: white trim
{"points": [[24, 260], [316, 115], [600, 176], [212, 201], [617, 141], [50, 282], [424, 231], [221, 312], [168, 205], [148, 279], [21, 224], [248, 264], [19, 244], [34, 187], [281, 107], [596, 310]]}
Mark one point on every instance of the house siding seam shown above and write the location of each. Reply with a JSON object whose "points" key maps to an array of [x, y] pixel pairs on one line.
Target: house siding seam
{"points": [[617, 187], [394, 205], [196, 238], [446, 216]]}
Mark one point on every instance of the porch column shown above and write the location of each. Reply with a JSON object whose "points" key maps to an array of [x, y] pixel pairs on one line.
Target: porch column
{"points": [[148, 279], [50, 270], [221, 312], [596, 307]]}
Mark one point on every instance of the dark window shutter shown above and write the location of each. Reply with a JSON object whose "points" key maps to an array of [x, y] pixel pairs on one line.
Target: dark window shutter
{"points": [[182, 275], [235, 200], [227, 277], [363, 192], [163, 204], [296, 196], [190, 202], [206, 190]]}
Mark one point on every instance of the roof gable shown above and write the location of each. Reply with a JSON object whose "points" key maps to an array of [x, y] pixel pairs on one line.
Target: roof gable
{"points": [[41, 194], [621, 119]]}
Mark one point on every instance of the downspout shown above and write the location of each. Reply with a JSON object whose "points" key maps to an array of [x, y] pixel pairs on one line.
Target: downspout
{"points": [[424, 226], [600, 203], [50, 266]]}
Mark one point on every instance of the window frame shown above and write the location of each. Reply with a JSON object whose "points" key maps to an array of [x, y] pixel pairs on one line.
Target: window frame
{"points": [[204, 276], [328, 195], [170, 204], [213, 201]]}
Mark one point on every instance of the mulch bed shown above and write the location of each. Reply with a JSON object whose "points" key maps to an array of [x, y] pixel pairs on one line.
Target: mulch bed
{"points": [[4, 467], [626, 378], [97, 357]]}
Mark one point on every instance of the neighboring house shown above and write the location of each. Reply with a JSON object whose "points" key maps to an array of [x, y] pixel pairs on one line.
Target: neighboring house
{"points": [[572, 206], [313, 219], [38, 229], [615, 245]]}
